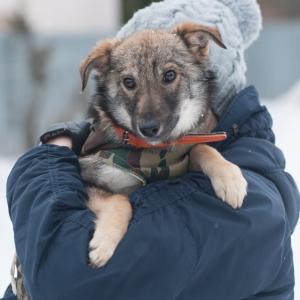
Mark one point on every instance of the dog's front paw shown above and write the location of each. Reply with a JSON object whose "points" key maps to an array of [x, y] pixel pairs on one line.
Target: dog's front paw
{"points": [[230, 185], [101, 249]]}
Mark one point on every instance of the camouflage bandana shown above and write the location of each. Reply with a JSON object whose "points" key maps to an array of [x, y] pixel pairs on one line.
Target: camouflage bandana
{"points": [[146, 164], [149, 165]]}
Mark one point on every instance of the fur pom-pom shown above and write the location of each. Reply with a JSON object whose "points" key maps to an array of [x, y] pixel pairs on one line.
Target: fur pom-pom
{"points": [[169, 12], [249, 18]]}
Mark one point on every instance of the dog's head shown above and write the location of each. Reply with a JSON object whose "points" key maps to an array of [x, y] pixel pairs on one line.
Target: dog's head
{"points": [[154, 83]]}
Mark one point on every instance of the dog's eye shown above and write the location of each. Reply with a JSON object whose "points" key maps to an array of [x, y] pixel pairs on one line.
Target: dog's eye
{"points": [[129, 83], [170, 76]]}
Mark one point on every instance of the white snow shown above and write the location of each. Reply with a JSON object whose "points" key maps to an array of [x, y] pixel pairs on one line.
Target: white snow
{"points": [[286, 115], [285, 111]]}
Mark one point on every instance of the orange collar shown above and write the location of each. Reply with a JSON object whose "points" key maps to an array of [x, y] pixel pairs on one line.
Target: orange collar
{"points": [[190, 139]]}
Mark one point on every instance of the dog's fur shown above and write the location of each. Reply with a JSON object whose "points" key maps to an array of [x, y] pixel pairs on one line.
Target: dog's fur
{"points": [[179, 106]]}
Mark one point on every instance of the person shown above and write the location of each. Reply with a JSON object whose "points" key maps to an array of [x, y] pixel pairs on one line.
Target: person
{"points": [[183, 243]]}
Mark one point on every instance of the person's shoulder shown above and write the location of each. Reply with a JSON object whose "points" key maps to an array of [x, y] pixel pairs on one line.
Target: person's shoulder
{"points": [[246, 116]]}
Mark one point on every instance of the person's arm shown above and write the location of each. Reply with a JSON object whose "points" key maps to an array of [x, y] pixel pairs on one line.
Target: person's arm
{"points": [[53, 227], [183, 242]]}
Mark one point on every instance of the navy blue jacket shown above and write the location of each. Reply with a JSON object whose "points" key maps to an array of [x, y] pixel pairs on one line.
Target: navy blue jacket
{"points": [[183, 243]]}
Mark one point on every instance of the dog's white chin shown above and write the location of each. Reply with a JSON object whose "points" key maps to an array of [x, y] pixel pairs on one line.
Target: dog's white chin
{"points": [[189, 115]]}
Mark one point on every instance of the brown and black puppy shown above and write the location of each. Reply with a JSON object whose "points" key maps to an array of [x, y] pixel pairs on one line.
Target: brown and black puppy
{"points": [[155, 84]]}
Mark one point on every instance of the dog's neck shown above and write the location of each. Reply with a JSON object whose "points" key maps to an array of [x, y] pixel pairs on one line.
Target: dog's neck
{"points": [[106, 134], [208, 124]]}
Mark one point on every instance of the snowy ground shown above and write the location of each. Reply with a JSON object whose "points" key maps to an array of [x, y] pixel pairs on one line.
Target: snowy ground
{"points": [[285, 111], [286, 115]]}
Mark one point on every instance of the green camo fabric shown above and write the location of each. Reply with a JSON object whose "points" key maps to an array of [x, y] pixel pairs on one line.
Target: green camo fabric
{"points": [[149, 165]]}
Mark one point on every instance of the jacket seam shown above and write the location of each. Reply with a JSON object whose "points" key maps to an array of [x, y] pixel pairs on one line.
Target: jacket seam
{"points": [[264, 172], [138, 217], [54, 184], [56, 188], [79, 224], [193, 259], [187, 233]]}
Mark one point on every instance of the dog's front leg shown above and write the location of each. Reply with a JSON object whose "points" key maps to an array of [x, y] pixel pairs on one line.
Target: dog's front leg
{"points": [[226, 178], [113, 213]]}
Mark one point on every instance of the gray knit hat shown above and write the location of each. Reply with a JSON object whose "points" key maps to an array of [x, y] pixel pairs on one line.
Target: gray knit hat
{"points": [[239, 22]]}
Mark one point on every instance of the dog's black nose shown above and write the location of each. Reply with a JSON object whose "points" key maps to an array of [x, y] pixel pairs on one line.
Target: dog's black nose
{"points": [[149, 128]]}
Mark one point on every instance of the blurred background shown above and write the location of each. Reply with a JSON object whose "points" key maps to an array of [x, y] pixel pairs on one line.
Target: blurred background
{"points": [[43, 42]]}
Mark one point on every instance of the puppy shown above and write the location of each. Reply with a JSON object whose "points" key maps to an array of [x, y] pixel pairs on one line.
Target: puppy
{"points": [[154, 85]]}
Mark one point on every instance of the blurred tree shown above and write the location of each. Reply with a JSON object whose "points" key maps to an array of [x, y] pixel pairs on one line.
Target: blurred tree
{"points": [[129, 7], [38, 58]]}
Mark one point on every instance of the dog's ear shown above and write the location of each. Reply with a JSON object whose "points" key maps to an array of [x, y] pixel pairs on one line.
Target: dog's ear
{"points": [[197, 37], [98, 59]]}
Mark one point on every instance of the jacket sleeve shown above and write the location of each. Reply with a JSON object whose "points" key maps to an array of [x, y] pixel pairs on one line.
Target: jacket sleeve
{"points": [[52, 228], [252, 244], [182, 242]]}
